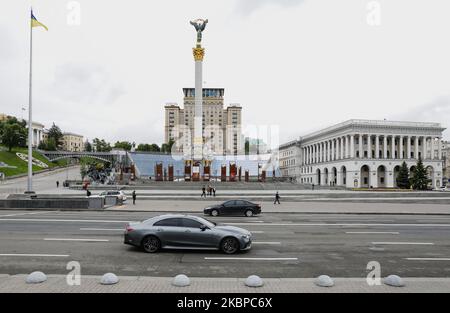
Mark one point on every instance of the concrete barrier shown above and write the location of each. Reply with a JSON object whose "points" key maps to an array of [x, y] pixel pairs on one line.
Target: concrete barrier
{"points": [[37, 202]]}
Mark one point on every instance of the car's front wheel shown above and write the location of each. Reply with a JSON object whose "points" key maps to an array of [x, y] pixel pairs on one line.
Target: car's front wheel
{"points": [[214, 212], [229, 245], [249, 213], [151, 244]]}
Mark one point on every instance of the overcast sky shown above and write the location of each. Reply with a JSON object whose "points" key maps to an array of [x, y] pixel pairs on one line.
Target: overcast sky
{"points": [[299, 64]]}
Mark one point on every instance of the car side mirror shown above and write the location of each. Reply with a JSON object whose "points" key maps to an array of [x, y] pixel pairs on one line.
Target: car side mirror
{"points": [[203, 227]]}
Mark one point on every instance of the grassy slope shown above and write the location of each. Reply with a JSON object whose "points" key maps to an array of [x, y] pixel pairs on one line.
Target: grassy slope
{"points": [[10, 158]]}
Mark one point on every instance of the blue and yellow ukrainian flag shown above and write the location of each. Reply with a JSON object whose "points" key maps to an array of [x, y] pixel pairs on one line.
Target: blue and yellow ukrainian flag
{"points": [[35, 22]]}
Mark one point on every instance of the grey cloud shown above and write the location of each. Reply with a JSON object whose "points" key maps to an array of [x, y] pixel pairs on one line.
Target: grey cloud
{"points": [[435, 111], [85, 84], [247, 7]]}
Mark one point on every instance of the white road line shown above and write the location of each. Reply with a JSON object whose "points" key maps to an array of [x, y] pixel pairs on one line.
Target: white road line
{"points": [[373, 232], [344, 224], [18, 214], [401, 243], [257, 232], [75, 239], [251, 259], [427, 259], [266, 242], [105, 229], [37, 255], [59, 220]]}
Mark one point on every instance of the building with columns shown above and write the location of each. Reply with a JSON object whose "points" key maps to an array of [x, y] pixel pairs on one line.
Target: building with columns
{"points": [[369, 153]]}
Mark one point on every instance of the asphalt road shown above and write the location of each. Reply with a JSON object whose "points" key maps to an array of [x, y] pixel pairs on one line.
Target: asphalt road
{"points": [[285, 245]]}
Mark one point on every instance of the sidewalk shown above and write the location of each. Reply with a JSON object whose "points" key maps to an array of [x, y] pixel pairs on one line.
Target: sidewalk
{"points": [[139, 284], [290, 207]]}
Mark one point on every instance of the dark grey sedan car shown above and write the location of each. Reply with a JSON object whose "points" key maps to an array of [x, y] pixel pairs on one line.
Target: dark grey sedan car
{"points": [[234, 207], [173, 231]]}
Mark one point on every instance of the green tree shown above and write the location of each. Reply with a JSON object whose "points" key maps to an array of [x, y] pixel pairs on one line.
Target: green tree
{"points": [[420, 179], [13, 135], [48, 145], [57, 135], [403, 177], [101, 145], [125, 145], [87, 146], [148, 147], [167, 147], [247, 146]]}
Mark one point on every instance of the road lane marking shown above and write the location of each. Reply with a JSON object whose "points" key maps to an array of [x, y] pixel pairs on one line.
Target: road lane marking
{"points": [[105, 229], [401, 243], [251, 259], [427, 259], [343, 224], [257, 231], [373, 232], [266, 242], [35, 255], [63, 221], [18, 214], [75, 239]]}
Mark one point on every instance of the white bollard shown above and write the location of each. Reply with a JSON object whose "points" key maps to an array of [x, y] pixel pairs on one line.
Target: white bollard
{"points": [[109, 279], [254, 281], [36, 278], [394, 281], [181, 280], [324, 281]]}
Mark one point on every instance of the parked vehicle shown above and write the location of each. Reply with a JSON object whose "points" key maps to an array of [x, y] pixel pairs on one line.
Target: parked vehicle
{"points": [[174, 231], [234, 207], [118, 193]]}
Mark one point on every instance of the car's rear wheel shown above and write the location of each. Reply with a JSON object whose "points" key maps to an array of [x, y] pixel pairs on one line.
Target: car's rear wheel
{"points": [[249, 213], [151, 244], [229, 245], [214, 212]]}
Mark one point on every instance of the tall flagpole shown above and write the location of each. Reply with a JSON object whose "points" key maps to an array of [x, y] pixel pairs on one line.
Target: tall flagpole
{"points": [[30, 117]]}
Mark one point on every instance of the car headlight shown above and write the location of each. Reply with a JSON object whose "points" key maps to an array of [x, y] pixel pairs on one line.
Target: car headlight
{"points": [[246, 236]]}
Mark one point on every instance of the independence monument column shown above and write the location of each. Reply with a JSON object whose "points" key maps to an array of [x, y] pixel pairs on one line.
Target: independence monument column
{"points": [[199, 52]]}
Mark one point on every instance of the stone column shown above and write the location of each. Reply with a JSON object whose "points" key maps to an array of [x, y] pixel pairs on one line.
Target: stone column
{"points": [[377, 146], [401, 148], [369, 146], [198, 106], [385, 147], [361, 152], [393, 147], [439, 149], [408, 147], [416, 147], [342, 147], [432, 148], [424, 147], [352, 146], [332, 149]]}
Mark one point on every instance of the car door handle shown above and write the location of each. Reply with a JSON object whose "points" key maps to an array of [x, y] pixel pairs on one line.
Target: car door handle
{"points": [[159, 229], [187, 231]]}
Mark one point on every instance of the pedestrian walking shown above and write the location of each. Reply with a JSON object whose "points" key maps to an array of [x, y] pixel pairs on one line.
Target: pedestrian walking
{"points": [[312, 186], [134, 197], [277, 198], [214, 191], [57, 184], [203, 192]]}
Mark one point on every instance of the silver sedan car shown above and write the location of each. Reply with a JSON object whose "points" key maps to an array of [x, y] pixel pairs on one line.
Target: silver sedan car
{"points": [[174, 231]]}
